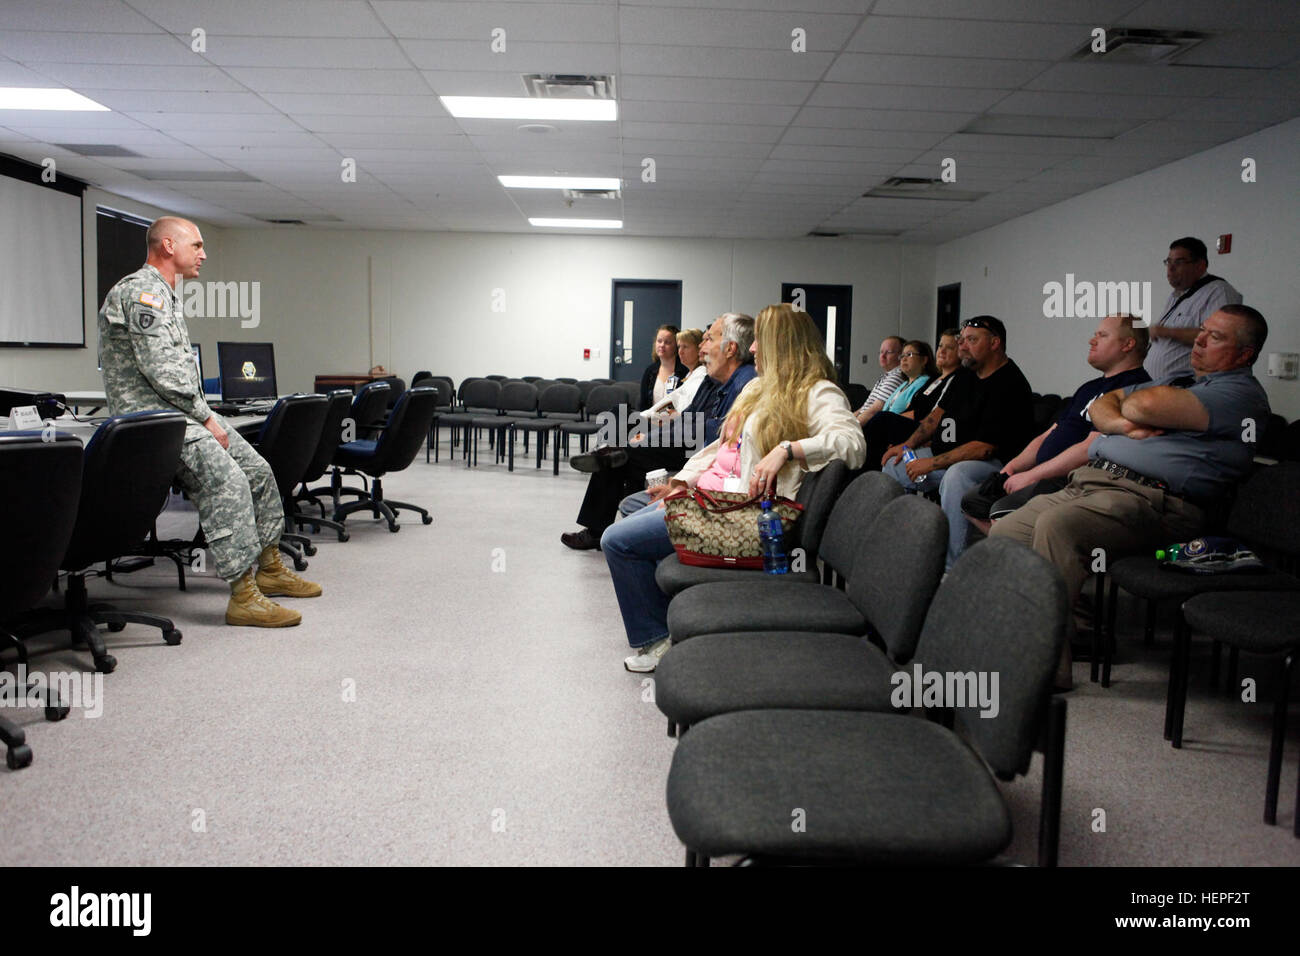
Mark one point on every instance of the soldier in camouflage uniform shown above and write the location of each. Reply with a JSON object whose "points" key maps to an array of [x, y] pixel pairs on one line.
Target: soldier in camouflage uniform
{"points": [[144, 350]]}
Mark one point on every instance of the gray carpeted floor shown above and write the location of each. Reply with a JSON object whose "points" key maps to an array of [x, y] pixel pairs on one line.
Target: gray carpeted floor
{"points": [[491, 720]]}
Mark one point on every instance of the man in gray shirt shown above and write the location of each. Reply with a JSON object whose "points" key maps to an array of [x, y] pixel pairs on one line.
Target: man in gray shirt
{"points": [[1169, 450], [1195, 296]]}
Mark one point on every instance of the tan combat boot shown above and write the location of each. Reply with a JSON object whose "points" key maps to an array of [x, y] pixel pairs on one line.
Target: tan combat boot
{"points": [[275, 580], [249, 607]]}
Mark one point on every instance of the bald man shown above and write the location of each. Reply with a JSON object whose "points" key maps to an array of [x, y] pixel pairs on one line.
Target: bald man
{"points": [[147, 362]]}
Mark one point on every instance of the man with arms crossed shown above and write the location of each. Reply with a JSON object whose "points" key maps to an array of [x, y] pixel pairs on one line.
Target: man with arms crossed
{"points": [[1169, 452]]}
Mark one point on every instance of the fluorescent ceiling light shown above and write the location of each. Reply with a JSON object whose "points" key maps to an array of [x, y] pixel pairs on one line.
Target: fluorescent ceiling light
{"points": [[560, 182], [527, 108], [578, 223], [41, 98]]}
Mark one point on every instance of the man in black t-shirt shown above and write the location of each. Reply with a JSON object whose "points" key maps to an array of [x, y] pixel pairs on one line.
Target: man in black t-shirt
{"points": [[985, 419], [1117, 350]]}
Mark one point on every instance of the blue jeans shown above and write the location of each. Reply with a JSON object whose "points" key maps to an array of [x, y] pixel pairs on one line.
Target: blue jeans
{"points": [[633, 503], [898, 471], [633, 549], [957, 480]]}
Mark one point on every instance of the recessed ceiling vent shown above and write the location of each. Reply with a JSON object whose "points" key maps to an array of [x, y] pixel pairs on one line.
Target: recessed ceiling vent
{"points": [[96, 149], [282, 222], [850, 231], [914, 187], [1145, 47], [569, 86], [572, 194]]}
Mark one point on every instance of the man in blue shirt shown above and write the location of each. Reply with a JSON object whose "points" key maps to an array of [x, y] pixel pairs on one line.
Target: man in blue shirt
{"points": [[1169, 452], [725, 354], [1117, 350]]}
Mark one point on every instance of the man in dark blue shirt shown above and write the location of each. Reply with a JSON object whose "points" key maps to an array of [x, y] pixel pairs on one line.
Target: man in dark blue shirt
{"points": [[725, 354], [1117, 350]]}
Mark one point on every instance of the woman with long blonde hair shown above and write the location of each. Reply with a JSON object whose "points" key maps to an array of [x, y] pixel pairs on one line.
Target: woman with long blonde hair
{"points": [[789, 421]]}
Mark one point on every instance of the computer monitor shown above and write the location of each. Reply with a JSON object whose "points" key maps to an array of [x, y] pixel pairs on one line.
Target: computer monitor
{"points": [[247, 371]]}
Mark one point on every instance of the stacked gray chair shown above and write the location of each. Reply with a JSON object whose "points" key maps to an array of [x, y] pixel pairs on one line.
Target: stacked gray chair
{"points": [[818, 494], [885, 789], [766, 644]]}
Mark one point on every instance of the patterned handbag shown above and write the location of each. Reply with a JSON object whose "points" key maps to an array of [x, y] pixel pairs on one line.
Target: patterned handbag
{"points": [[719, 529]]}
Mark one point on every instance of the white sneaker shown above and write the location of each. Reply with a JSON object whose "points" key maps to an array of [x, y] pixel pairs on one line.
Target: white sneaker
{"points": [[646, 661]]}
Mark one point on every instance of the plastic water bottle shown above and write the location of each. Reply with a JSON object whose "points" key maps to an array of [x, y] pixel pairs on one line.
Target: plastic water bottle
{"points": [[1197, 548], [771, 536], [669, 385], [909, 455]]}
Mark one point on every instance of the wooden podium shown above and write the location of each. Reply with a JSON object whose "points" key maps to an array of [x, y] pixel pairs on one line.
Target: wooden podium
{"points": [[325, 383]]}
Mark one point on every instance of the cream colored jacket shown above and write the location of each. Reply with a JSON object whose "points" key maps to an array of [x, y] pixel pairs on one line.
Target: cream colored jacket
{"points": [[834, 433]]}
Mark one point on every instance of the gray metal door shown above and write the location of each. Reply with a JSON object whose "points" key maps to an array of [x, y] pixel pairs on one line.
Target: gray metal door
{"points": [[639, 307]]}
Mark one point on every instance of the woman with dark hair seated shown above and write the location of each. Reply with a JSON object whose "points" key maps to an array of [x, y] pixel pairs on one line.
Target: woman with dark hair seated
{"points": [[928, 378], [790, 420]]}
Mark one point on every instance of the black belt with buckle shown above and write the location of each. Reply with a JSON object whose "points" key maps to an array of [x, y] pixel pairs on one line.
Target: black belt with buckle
{"points": [[1119, 471]]}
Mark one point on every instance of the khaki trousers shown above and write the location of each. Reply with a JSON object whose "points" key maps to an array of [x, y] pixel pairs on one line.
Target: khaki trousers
{"points": [[1099, 516]]}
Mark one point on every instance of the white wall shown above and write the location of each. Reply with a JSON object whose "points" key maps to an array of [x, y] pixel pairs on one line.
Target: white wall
{"points": [[70, 369], [1121, 232], [426, 298]]}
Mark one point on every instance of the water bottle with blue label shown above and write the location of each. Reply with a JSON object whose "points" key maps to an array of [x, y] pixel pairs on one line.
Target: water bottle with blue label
{"points": [[771, 536], [669, 385], [909, 455]]}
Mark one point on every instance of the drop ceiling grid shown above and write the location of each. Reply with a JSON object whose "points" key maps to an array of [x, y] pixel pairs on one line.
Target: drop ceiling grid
{"points": [[286, 90]]}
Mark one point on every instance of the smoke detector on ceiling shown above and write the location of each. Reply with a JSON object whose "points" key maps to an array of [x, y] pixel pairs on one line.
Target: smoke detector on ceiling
{"points": [[1144, 47]]}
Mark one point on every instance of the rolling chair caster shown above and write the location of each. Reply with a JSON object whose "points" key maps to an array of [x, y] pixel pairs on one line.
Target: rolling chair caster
{"points": [[427, 519], [117, 626], [106, 664], [172, 637], [18, 756]]}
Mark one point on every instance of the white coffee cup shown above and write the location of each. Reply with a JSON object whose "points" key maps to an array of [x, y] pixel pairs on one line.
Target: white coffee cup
{"points": [[657, 477]]}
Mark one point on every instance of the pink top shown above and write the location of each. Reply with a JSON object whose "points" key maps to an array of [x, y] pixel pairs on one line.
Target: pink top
{"points": [[726, 464]]}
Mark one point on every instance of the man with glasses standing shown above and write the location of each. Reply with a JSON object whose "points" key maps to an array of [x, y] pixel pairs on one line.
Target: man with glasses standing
{"points": [[1196, 295]]}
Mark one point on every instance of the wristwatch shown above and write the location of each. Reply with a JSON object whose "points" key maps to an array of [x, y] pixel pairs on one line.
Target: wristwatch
{"points": [[789, 450]]}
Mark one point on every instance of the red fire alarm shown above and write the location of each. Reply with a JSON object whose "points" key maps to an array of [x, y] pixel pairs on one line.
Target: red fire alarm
{"points": [[586, 353], [1225, 244]]}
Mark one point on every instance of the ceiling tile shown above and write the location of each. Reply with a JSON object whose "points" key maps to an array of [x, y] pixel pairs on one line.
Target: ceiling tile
{"points": [[519, 57], [313, 80], [156, 49], [966, 38], [933, 71], [258, 18], [944, 99], [530, 22]]}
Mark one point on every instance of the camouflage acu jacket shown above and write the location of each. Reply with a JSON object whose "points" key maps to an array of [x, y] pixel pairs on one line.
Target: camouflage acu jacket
{"points": [[145, 354]]}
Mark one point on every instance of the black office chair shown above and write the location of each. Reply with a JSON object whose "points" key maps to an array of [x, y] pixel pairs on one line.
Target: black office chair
{"points": [[46, 477], [532, 379], [364, 421], [338, 403], [856, 394], [288, 441], [394, 450], [567, 381], [127, 473], [397, 388]]}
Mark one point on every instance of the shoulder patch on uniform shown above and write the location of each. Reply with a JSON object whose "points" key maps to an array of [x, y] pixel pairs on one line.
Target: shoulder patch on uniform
{"points": [[146, 320], [148, 298]]}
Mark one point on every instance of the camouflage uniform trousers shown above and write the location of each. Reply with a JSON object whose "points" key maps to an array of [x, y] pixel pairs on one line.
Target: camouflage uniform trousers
{"points": [[237, 497]]}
